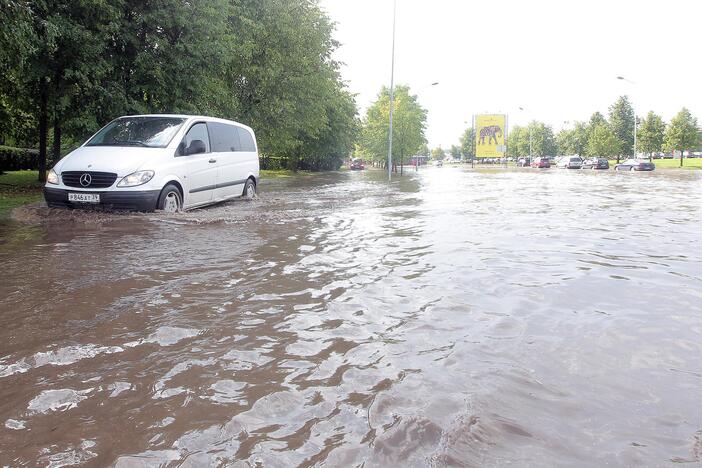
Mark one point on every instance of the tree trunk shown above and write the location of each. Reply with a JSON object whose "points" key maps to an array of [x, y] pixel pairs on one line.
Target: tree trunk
{"points": [[56, 153], [681, 158], [43, 127], [402, 163]]}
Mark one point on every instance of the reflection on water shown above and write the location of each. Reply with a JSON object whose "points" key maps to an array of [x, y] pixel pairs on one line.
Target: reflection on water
{"points": [[453, 318]]}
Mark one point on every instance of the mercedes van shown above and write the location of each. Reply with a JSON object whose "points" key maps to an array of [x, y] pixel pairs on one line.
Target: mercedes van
{"points": [[157, 162]]}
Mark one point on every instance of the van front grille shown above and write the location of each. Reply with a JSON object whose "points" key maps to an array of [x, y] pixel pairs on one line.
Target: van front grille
{"points": [[88, 179]]}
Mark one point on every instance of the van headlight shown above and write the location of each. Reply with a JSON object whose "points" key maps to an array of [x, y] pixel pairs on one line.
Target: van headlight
{"points": [[52, 177], [136, 178]]}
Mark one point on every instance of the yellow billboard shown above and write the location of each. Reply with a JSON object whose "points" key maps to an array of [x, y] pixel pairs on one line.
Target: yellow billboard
{"points": [[490, 135]]}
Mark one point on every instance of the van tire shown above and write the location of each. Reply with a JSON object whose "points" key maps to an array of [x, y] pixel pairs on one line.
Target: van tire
{"points": [[170, 200], [249, 192]]}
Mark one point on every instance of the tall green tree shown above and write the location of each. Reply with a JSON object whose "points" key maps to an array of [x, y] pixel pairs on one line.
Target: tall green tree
{"points": [[456, 152], [438, 154], [518, 142], [409, 123], [70, 67], [564, 141], [543, 142], [603, 142], [596, 119], [468, 142], [621, 122], [651, 134], [574, 140], [682, 133]]}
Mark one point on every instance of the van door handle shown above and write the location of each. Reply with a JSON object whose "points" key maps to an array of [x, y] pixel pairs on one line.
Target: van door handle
{"points": [[212, 161]]}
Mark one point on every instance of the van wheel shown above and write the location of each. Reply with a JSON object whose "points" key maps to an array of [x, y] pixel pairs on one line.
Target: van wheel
{"points": [[170, 200], [249, 190]]}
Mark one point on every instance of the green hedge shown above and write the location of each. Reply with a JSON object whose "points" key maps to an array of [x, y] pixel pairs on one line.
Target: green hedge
{"points": [[273, 163], [17, 159]]}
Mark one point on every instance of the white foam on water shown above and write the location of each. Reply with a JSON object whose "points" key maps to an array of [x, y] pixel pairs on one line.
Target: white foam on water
{"points": [[15, 425], [60, 357], [57, 400], [166, 336], [71, 457]]}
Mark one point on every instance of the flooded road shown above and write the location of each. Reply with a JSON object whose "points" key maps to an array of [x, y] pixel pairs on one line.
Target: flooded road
{"points": [[453, 318]]}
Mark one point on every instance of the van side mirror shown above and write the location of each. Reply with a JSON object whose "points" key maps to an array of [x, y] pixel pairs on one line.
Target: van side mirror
{"points": [[196, 147]]}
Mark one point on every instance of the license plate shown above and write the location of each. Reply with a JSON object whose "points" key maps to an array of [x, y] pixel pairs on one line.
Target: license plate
{"points": [[84, 197]]}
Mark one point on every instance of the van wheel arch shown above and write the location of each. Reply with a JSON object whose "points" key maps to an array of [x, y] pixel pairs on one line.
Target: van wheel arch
{"points": [[175, 184]]}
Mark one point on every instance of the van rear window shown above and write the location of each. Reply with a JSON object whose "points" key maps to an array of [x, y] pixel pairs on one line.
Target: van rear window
{"points": [[247, 141], [224, 137]]}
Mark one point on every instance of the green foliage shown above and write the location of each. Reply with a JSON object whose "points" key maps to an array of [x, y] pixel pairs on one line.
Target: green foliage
{"points": [[596, 119], [518, 142], [573, 141], [71, 67], [651, 134], [682, 133], [603, 142], [468, 142], [621, 122], [456, 152], [543, 142], [16, 159], [438, 154], [409, 123]]}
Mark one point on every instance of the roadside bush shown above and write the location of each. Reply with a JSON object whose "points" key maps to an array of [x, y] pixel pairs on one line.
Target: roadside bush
{"points": [[273, 163], [17, 159]]}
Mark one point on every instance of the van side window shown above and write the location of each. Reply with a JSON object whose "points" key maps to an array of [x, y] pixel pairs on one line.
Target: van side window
{"points": [[225, 138], [247, 141], [196, 132]]}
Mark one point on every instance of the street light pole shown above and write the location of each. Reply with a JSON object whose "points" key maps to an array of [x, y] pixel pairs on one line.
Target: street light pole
{"points": [[392, 90], [634, 109]]}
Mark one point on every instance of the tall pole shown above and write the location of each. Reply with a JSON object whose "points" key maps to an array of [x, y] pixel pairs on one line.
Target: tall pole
{"points": [[636, 124], [392, 90]]}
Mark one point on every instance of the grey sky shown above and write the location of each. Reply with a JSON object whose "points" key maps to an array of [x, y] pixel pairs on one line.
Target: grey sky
{"points": [[557, 59]]}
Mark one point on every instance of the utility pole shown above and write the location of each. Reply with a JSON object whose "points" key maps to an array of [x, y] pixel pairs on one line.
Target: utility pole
{"points": [[392, 90]]}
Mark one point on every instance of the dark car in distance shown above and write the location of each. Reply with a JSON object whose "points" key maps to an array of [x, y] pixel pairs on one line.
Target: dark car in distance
{"points": [[357, 165], [635, 165], [596, 163], [541, 163]]}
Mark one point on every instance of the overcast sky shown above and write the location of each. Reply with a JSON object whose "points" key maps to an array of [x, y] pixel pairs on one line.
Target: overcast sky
{"points": [[557, 59]]}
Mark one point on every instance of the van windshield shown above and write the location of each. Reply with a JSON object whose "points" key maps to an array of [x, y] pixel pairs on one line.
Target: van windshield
{"points": [[150, 132]]}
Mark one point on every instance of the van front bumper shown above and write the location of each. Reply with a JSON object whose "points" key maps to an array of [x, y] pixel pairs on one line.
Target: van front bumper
{"points": [[144, 200]]}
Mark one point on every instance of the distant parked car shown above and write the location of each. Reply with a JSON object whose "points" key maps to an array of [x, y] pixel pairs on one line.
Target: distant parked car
{"points": [[541, 163], [357, 165], [524, 162], [596, 163], [570, 162], [635, 165]]}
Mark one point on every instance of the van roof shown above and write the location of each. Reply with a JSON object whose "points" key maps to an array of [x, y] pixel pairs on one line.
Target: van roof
{"points": [[190, 117]]}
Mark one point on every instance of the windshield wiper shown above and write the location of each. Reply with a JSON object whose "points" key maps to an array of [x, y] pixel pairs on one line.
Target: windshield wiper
{"points": [[123, 143], [131, 143]]}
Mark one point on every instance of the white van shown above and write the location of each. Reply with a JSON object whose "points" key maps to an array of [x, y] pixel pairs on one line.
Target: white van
{"points": [[165, 162]]}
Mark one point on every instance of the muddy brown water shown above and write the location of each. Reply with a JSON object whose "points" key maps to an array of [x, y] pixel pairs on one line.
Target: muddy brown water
{"points": [[453, 318]]}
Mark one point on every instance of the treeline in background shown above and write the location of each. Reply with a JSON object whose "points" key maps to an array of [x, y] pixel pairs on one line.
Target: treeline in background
{"points": [[611, 137], [70, 66]]}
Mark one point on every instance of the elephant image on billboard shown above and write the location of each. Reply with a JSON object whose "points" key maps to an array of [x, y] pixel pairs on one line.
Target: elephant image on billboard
{"points": [[490, 135]]}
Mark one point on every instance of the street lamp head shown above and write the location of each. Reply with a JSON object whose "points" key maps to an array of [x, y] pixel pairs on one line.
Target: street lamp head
{"points": [[620, 78], [435, 83]]}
